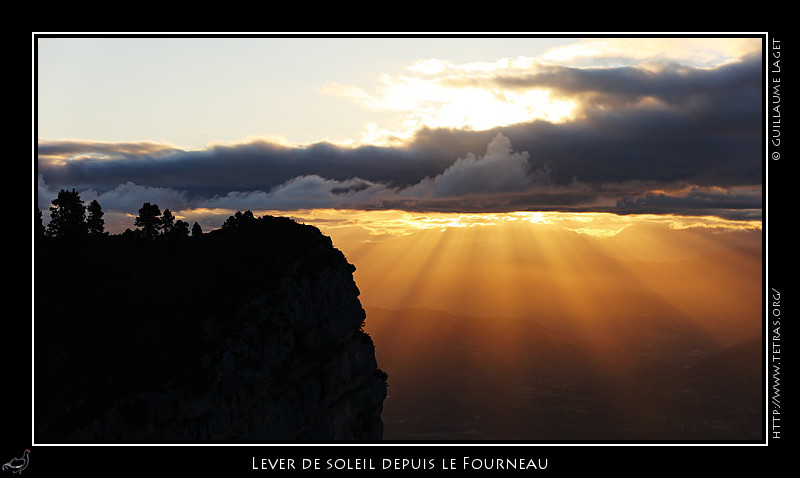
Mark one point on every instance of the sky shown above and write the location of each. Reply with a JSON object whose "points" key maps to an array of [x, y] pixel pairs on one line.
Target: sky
{"points": [[437, 150], [206, 126]]}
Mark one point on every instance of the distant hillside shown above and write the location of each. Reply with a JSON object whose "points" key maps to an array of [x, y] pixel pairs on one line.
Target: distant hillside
{"points": [[471, 378], [243, 334], [742, 363]]}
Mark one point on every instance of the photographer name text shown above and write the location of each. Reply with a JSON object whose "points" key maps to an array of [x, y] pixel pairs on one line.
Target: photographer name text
{"points": [[775, 98]]}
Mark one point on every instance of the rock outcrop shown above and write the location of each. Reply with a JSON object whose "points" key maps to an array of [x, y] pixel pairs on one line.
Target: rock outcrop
{"points": [[252, 333]]}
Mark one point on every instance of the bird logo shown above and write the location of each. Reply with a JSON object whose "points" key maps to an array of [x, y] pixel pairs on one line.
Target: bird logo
{"points": [[16, 465]]}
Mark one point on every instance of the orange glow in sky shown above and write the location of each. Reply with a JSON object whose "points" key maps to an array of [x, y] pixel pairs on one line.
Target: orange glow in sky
{"points": [[478, 312], [588, 274]]}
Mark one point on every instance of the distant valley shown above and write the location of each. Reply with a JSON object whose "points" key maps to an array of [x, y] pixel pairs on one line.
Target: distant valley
{"points": [[457, 378]]}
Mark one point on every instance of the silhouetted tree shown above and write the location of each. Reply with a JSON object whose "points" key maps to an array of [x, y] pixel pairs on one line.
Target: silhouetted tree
{"points": [[229, 223], [95, 222], [149, 220], [245, 217], [67, 215], [167, 222], [180, 230], [197, 230], [240, 219]]}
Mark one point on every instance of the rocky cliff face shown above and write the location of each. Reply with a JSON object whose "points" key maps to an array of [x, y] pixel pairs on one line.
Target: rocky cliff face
{"points": [[251, 334]]}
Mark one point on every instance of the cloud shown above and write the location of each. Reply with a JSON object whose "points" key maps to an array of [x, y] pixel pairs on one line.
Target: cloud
{"points": [[256, 165], [554, 87], [733, 203], [303, 192], [500, 170], [708, 52], [60, 151], [127, 197], [672, 139], [669, 84]]}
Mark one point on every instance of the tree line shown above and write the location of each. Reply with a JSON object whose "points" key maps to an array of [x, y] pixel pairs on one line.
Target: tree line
{"points": [[71, 218]]}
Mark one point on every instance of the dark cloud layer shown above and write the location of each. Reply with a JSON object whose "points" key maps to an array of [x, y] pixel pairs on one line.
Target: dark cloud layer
{"points": [[640, 133], [672, 84], [258, 165]]}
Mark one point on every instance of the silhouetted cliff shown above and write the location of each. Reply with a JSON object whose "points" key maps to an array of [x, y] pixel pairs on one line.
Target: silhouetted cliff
{"points": [[248, 333]]}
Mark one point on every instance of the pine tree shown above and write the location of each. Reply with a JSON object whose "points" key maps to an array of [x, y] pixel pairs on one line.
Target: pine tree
{"points": [[95, 222], [197, 230], [180, 230], [149, 220], [67, 216], [167, 222]]}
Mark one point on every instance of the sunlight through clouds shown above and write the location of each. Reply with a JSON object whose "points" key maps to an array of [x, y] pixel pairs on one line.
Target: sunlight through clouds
{"points": [[440, 94], [396, 223]]}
